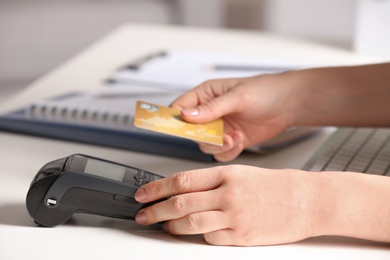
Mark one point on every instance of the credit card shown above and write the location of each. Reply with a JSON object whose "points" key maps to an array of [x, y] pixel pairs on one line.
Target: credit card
{"points": [[168, 120]]}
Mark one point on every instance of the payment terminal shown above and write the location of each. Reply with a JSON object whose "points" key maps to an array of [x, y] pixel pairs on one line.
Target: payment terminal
{"points": [[84, 184]]}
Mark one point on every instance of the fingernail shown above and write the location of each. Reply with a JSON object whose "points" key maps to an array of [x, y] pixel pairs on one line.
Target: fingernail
{"points": [[140, 218], [190, 111], [140, 194]]}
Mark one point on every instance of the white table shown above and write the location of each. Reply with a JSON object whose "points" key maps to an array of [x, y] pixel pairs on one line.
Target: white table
{"points": [[102, 238]]}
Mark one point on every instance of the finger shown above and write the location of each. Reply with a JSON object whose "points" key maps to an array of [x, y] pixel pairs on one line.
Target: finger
{"points": [[187, 100], [179, 183], [230, 154], [232, 147], [203, 93], [211, 110], [222, 237], [229, 142], [209, 101], [178, 206], [198, 223]]}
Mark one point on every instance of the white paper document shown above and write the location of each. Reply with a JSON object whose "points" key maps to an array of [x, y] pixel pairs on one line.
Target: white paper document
{"points": [[185, 69]]}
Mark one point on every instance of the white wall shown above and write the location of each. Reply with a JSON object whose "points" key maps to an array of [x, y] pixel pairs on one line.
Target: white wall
{"points": [[37, 35], [372, 33], [329, 21], [361, 25], [326, 21]]}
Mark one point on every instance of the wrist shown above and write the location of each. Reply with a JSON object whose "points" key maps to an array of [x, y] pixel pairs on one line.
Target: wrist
{"points": [[340, 96], [299, 96], [351, 205], [324, 220], [331, 204]]}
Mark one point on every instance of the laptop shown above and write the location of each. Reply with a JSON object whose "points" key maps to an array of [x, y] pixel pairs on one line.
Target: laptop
{"points": [[365, 150]]}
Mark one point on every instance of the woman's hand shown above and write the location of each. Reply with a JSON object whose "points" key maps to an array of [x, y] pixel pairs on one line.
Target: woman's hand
{"points": [[253, 109], [232, 205]]}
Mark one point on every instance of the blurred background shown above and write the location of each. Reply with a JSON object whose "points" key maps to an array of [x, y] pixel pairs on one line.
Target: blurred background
{"points": [[38, 35]]}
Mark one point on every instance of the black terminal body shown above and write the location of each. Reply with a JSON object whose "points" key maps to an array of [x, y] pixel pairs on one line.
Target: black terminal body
{"points": [[85, 184]]}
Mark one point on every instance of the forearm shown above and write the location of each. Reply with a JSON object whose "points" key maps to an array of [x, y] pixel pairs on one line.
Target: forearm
{"points": [[342, 96], [353, 205]]}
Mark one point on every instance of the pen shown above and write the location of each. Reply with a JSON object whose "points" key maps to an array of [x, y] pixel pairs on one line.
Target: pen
{"points": [[228, 67], [132, 95], [136, 65]]}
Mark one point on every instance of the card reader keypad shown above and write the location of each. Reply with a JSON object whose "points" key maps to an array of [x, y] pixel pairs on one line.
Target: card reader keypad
{"points": [[143, 177]]}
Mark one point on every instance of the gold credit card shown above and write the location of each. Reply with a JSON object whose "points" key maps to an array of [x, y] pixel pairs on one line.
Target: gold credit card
{"points": [[167, 120]]}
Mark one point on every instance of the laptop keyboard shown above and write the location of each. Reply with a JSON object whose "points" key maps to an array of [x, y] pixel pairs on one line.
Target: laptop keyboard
{"points": [[365, 150]]}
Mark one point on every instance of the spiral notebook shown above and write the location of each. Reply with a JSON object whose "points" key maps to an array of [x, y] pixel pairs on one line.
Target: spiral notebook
{"points": [[103, 108], [101, 117]]}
